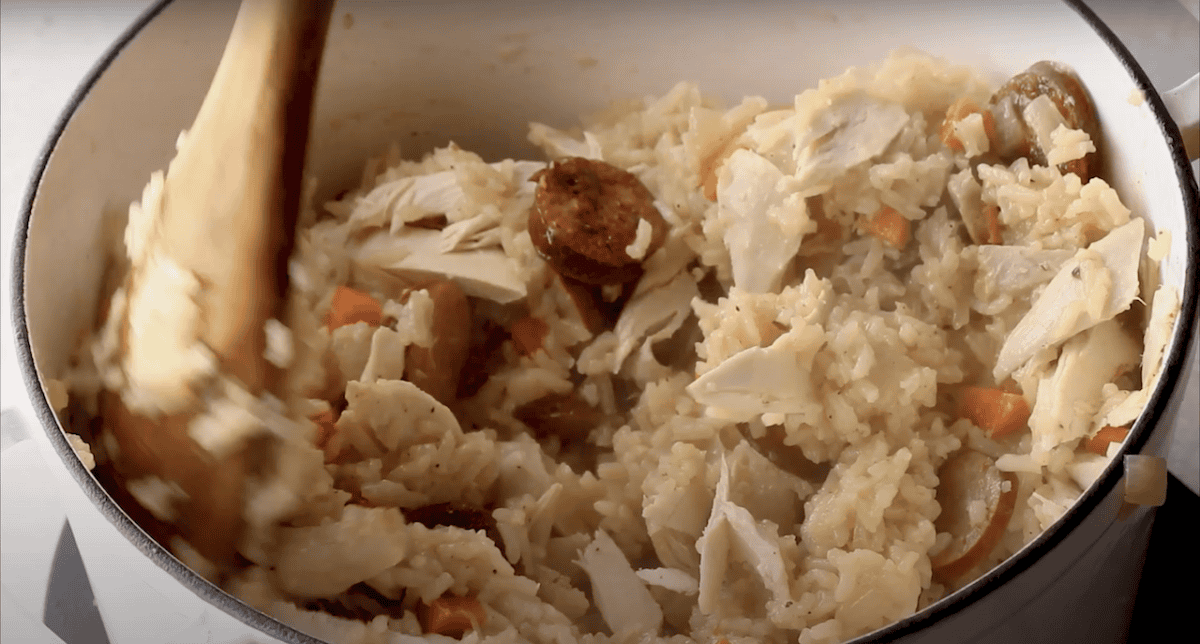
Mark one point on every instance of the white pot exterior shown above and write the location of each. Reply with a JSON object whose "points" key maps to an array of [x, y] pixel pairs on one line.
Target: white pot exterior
{"points": [[139, 601], [476, 72]]}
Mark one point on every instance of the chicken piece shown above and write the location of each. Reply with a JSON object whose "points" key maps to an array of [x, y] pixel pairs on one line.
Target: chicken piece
{"points": [[852, 129], [622, 597], [1070, 397], [1095, 285], [966, 194], [416, 199], [732, 527], [671, 579], [1164, 309], [386, 360], [775, 379], [764, 223], [560, 145], [406, 200], [654, 316], [393, 415], [375, 533], [1014, 271], [416, 253], [678, 510], [713, 135]]}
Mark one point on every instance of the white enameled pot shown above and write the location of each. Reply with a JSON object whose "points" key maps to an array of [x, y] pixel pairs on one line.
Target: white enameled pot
{"points": [[475, 72]]}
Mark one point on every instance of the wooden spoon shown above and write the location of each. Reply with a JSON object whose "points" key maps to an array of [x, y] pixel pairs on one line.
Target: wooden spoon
{"points": [[230, 202]]}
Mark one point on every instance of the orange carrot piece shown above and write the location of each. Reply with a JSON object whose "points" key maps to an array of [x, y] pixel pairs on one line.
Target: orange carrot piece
{"points": [[350, 306], [1098, 444], [890, 226], [452, 616], [959, 110], [995, 411], [991, 214], [528, 333]]}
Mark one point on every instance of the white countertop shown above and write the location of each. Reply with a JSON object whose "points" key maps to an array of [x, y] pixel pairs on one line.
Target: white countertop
{"points": [[48, 47]]}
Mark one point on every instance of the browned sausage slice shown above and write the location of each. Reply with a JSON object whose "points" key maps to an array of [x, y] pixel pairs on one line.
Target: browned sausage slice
{"points": [[1060, 84], [970, 481], [586, 214]]}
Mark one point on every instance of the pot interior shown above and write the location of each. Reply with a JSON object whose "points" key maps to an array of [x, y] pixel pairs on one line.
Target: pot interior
{"points": [[421, 74], [474, 72]]}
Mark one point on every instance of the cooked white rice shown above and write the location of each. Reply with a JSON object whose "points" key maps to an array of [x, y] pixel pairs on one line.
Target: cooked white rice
{"points": [[666, 524]]}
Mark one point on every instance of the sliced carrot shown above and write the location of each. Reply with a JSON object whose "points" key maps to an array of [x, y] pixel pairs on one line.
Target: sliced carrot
{"points": [[890, 226], [959, 110], [995, 411], [350, 306], [991, 215], [528, 333], [452, 616], [1098, 444]]}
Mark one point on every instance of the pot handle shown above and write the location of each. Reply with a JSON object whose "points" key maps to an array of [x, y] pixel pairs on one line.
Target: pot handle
{"points": [[1183, 104]]}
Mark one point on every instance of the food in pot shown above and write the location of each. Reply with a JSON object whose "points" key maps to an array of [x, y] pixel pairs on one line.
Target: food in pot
{"points": [[748, 374], [594, 222]]}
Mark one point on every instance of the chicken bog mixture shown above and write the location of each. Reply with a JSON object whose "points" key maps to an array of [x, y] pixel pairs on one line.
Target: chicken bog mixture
{"points": [[767, 373]]}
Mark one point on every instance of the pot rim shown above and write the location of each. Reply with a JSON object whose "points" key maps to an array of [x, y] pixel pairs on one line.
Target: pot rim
{"points": [[157, 553], [1174, 363]]}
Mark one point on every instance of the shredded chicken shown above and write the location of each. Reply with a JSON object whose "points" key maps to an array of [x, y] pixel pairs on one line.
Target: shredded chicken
{"points": [[1099, 282]]}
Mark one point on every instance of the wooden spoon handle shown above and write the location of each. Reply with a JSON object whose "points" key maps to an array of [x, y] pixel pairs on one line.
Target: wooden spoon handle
{"points": [[227, 217], [233, 192]]}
